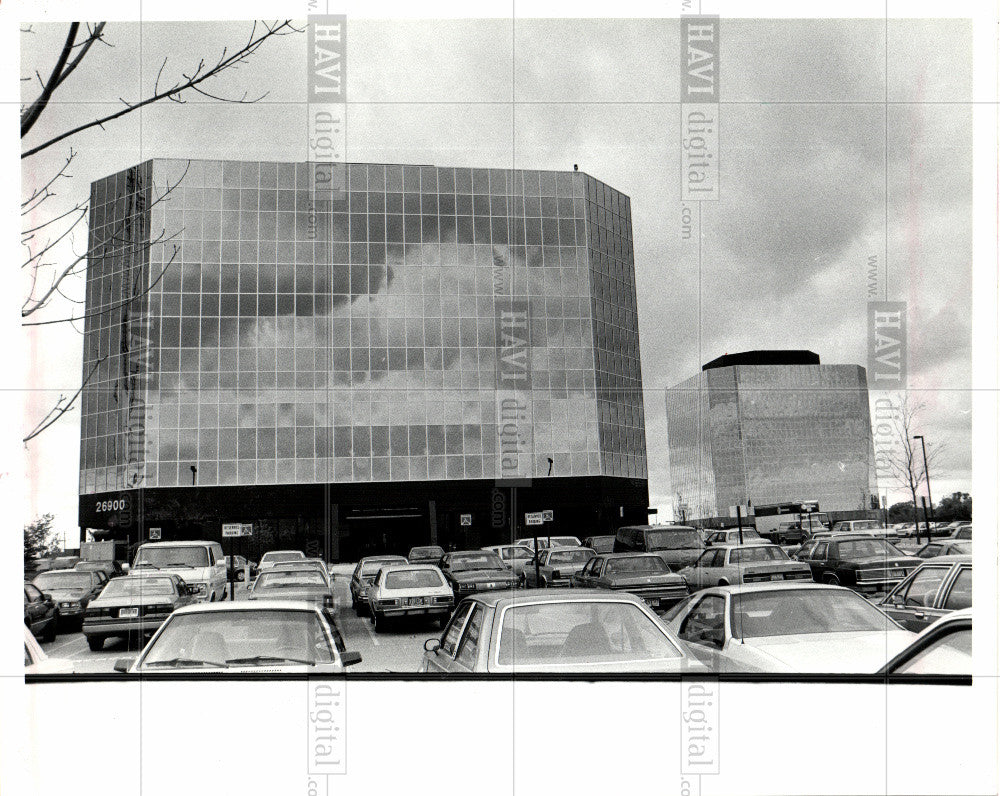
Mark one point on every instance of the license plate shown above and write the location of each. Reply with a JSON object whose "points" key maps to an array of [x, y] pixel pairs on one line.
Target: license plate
{"points": [[128, 613], [896, 573], [489, 585], [415, 601], [777, 577]]}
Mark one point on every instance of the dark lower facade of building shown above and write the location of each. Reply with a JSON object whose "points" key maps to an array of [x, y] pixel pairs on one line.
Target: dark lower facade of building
{"points": [[343, 522]]}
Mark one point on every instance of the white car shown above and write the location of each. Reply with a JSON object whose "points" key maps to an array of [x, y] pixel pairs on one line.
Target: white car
{"points": [[786, 628], [549, 541], [732, 536], [37, 662], [201, 565], [265, 636], [943, 648], [409, 590], [272, 557], [752, 562]]}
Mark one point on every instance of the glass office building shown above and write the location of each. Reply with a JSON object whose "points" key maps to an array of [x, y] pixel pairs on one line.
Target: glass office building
{"points": [[770, 427], [259, 350]]}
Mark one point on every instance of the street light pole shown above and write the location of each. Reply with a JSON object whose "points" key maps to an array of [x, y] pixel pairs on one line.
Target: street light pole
{"points": [[194, 474], [927, 477]]}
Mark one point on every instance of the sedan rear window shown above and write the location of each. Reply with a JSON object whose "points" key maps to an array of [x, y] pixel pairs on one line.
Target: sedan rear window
{"points": [[747, 554], [468, 561], [288, 579], [413, 579], [866, 548], [580, 632], [64, 580], [636, 566], [557, 557]]}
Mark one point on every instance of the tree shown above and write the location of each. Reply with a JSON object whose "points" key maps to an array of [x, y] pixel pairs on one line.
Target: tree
{"points": [[37, 540], [957, 506], [46, 235], [902, 457]]}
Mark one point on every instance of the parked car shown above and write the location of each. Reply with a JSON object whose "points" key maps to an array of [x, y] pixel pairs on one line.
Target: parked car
{"points": [[945, 547], [238, 570], [428, 554], [786, 627], [364, 573], [72, 591], [272, 557], [578, 631], [732, 536], [65, 562], [309, 564], [37, 662], [938, 587], [549, 541], [111, 569], [282, 636], [515, 556], [600, 544], [556, 566], [677, 545], [859, 561], [133, 606], [470, 571], [749, 563], [201, 565], [855, 526], [41, 613], [407, 590], [290, 582], [944, 647], [642, 574]]}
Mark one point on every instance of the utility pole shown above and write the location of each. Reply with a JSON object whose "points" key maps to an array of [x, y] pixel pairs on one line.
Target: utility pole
{"points": [[927, 478]]}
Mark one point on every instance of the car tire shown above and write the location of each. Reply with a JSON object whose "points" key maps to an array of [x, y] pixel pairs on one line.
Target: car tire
{"points": [[831, 580], [723, 582], [377, 624], [50, 632], [96, 643]]}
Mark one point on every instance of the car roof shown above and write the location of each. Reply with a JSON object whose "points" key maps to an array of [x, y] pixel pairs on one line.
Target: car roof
{"points": [[610, 556], [757, 546], [176, 543], [568, 547], [500, 599], [249, 605], [409, 567], [426, 547], [744, 588], [468, 552], [954, 558], [390, 558]]}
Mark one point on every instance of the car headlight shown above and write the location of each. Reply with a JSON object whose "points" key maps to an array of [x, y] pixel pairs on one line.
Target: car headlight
{"points": [[69, 605], [197, 588]]}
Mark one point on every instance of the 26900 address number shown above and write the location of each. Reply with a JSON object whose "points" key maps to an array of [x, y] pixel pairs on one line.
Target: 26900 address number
{"points": [[111, 505]]}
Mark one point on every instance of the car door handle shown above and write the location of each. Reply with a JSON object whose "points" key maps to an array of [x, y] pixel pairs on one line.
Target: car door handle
{"points": [[920, 615]]}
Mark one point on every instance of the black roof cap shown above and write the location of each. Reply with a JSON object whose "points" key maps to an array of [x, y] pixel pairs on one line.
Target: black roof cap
{"points": [[768, 357]]}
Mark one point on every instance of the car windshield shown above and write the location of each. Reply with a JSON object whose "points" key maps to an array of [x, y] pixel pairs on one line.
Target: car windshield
{"points": [[239, 638], [564, 541], [804, 611], [602, 544], [640, 565], [413, 579], [372, 566], [581, 557], [575, 632], [64, 580], [516, 554], [137, 587], [288, 579], [865, 548], [744, 555], [672, 540], [163, 557], [466, 561], [280, 556]]}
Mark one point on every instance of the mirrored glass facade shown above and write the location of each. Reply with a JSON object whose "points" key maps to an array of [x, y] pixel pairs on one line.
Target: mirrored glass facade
{"points": [[243, 332], [771, 434]]}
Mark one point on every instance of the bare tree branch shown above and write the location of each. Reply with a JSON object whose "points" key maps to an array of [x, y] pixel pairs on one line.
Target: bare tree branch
{"points": [[60, 407], [30, 116], [225, 63], [44, 190]]}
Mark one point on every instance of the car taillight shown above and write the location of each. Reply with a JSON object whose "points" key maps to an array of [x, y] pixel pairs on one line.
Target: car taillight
{"points": [[442, 599]]}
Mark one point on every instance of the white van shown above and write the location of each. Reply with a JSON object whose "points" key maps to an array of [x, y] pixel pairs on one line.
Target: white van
{"points": [[201, 565]]}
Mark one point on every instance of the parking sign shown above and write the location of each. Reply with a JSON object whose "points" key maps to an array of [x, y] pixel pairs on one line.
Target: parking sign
{"points": [[154, 533]]}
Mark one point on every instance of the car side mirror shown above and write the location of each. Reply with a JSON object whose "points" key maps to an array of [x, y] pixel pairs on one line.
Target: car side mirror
{"points": [[46, 595], [350, 658], [124, 664], [432, 645]]}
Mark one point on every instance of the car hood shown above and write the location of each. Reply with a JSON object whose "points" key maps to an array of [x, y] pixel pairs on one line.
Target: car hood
{"points": [[66, 594], [475, 575], [861, 652]]}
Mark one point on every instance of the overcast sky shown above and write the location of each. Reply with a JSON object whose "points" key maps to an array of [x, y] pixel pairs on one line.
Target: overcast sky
{"points": [[804, 170]]}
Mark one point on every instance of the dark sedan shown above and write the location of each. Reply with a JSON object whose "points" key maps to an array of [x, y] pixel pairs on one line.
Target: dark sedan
{"points": [[600, 544], [72, 590], [642, 574], [469, 571], [41, 616], [860, 562], [133, 606]]}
